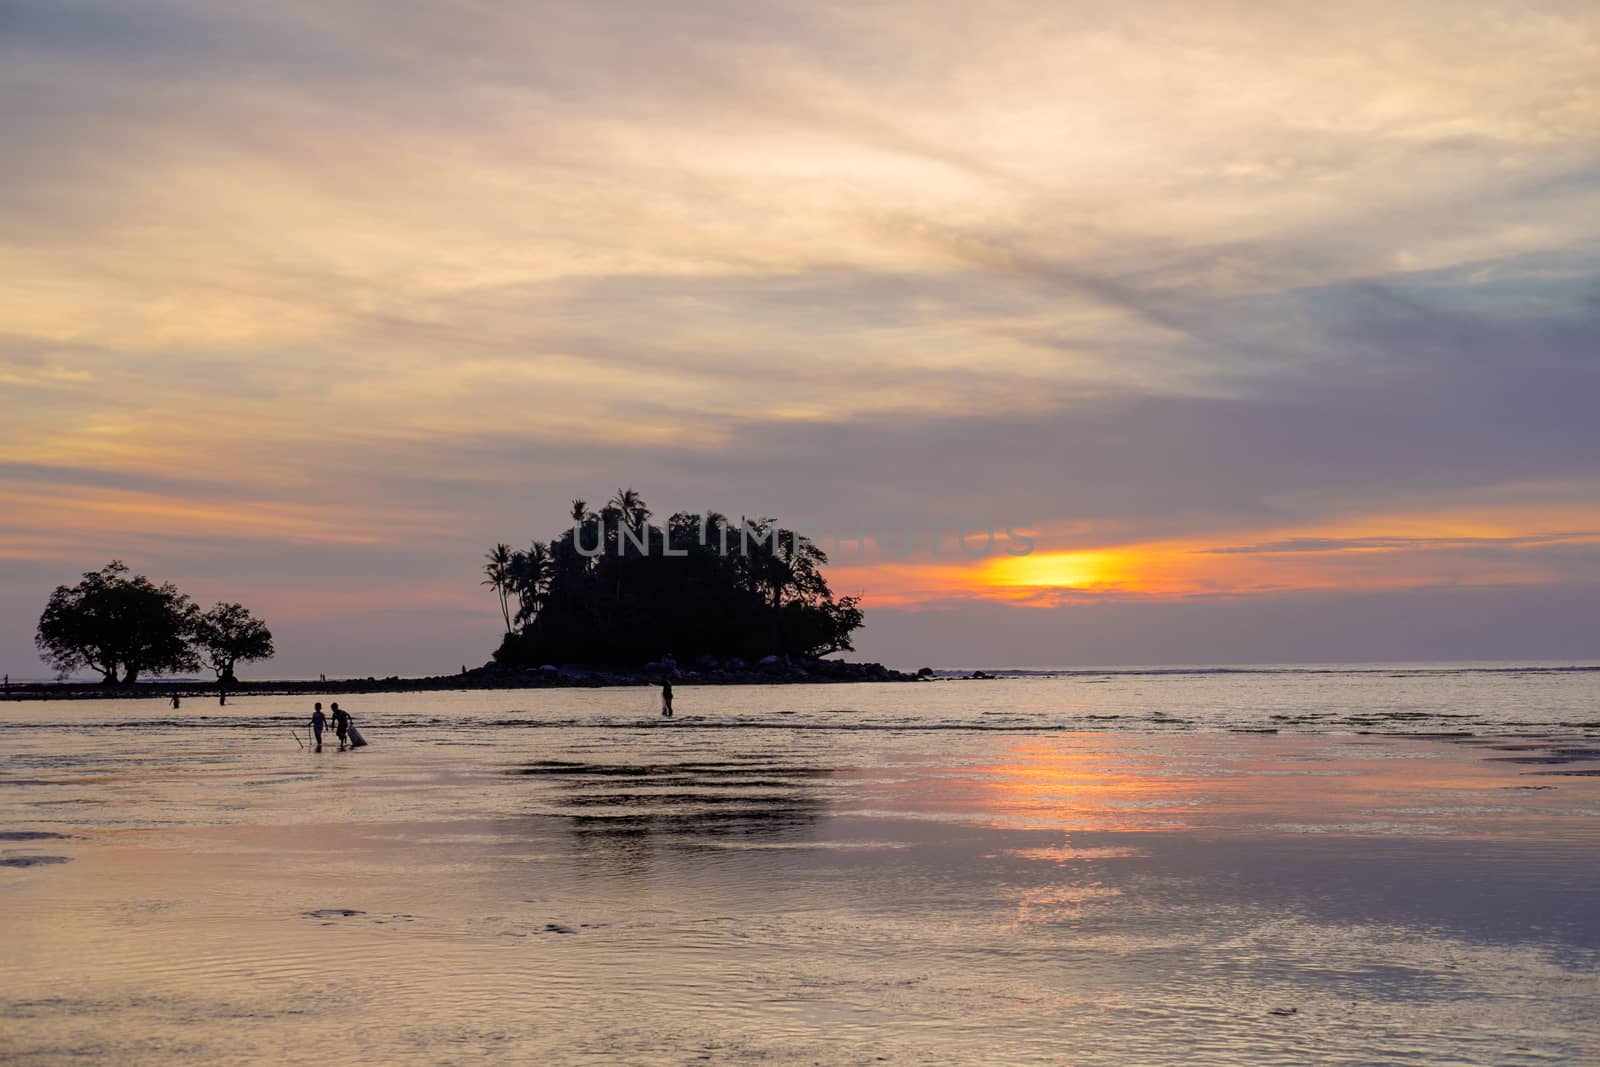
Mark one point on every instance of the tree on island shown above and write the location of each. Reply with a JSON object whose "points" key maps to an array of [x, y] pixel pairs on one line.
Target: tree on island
{"points": [[615, 588], [498, 566], [124, 625], [228, 635]]}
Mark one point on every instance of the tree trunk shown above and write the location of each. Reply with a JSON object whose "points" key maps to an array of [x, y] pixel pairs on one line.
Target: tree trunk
{"points": [[130, 676], [778, 643]]}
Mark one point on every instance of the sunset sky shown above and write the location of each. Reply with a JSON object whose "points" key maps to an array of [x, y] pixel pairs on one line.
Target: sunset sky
{"points": [[1276, 327]]}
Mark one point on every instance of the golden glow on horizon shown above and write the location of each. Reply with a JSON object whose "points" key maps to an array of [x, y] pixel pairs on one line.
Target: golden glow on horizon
{"points": [[1055, 570], [1391, 551]]}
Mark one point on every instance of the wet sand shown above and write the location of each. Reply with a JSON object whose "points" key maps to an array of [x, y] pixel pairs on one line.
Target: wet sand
{"points": [[687, 895]]}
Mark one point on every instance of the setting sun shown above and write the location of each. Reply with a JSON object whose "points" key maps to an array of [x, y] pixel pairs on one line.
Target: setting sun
{"points": [[1057, 570]]}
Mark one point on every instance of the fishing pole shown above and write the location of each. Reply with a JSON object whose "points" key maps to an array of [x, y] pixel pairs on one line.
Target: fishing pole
{"points": [[297, 741]]}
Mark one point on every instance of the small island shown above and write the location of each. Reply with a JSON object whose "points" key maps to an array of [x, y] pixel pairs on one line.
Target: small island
{"points": [[617, 599]]}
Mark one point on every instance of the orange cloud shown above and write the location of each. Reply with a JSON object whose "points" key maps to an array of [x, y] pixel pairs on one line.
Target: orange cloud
{"points": [[1382, 552]]}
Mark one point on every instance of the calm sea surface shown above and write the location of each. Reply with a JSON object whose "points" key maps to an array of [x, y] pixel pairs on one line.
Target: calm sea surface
{"points": [[1079, 868]]}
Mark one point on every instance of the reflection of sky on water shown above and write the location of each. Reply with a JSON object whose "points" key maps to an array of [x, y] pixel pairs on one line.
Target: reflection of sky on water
{"points": [[616, 894]]}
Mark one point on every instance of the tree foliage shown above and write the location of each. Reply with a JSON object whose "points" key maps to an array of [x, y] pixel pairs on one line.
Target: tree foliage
{"points": [[616, 588], [118, 625], [228, 635], [123, 625]]}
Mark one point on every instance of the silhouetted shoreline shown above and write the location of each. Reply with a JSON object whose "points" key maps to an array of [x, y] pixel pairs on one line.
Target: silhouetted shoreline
{"points": [[778, 673]]}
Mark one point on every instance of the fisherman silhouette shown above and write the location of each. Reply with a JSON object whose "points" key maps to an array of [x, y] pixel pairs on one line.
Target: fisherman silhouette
{"points": [[341, 724], [318, 721], [666, 698]]}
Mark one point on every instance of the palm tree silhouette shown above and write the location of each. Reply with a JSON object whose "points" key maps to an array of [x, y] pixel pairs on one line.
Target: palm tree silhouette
{"points": [[631, 505], [530, 577], [497, 569]]}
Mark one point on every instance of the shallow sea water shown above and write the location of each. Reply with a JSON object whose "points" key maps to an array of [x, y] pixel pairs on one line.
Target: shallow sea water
{"points": [[958, 872]]}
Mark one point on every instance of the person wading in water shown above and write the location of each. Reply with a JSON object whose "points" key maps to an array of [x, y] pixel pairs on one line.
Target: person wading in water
{"points": [[318, 721], [666, 698], [341, 724]]}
